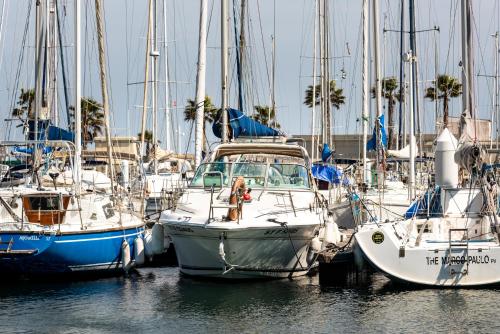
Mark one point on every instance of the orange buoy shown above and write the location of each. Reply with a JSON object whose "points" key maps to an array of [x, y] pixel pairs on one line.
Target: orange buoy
{"points": [[237, 190]]}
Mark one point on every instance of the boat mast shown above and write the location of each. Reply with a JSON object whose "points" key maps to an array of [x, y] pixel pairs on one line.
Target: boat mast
{"points": [[378, 98], [54, 98], [104, 88], [322, 65], [496, 104], [402, 83], [78, 97], [467, 71], [154, 89], [224, 68], [411, 185], [39, 32], [200, 82], [167, 90], [313, 121], [242, 49], [366, 89], [146, 78]]}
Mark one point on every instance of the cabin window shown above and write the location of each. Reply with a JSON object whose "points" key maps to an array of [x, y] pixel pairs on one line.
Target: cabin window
{"points": [[44, 203], [426, 230]]}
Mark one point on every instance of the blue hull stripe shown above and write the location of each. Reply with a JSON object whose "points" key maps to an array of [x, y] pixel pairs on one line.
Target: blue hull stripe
{"points": [[97, 238]]}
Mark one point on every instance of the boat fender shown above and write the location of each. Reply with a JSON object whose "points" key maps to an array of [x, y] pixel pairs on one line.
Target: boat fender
{"points": [[237, 190], [126, 258], [148, 244], [222, 253], [139, 251], [332, 234], [316, 244], [157, 241], [314, 248]]}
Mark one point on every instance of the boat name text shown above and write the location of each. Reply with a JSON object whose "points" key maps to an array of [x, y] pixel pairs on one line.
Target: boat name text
{"points": [[472, 259]]}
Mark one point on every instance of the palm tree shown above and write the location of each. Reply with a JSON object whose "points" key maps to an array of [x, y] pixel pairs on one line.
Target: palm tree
{"points": [[209, 109], [336, 95], [444, 88], [266, 115], [25, 104], [92, 119], [148, 139], [210, 112], [389, 92]]}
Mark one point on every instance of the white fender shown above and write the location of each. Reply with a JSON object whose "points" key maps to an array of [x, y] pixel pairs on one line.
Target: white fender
{"points": [[148, 242], [126, 259], [316, 244], [158, 234], [332, 234], [313, 250], [139, 251]]}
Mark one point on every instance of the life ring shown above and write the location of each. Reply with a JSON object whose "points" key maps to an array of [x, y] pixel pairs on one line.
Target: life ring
{"points": [[237, 190]]}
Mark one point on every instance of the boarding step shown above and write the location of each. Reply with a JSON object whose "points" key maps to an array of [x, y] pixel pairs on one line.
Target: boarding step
{"points": [[458, 245]]}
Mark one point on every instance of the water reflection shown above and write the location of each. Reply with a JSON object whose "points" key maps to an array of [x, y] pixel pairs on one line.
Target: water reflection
{"points": [[160, 300]]}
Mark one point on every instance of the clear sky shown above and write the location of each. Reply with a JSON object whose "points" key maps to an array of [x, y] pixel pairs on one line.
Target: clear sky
{"points": [[293, 23]]}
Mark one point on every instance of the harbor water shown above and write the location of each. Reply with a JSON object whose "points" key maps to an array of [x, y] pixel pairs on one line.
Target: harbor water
{"points": [[161, 300]]}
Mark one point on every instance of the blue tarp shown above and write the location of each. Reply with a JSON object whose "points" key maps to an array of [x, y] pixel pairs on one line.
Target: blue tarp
{"points": [[372, 143], [26, 150], [419, 207], [327, 173], [326, 153], [242, 125]]}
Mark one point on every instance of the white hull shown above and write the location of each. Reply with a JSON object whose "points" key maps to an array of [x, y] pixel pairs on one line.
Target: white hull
{"points": [[431, 262], [250, 252]]}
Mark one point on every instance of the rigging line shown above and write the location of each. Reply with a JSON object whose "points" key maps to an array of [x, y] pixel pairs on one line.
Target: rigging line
{"points": [[263, 45], [481, 50], [353, 91], [451, 36], [127, 61], [21, 57]]}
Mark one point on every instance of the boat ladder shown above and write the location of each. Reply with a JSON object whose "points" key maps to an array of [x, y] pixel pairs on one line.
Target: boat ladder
{"points": [[460, 245], [211, 215]]}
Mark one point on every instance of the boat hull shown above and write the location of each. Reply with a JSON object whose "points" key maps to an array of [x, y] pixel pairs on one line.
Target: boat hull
{"points": [[34, 253], [432, 264], [251, 252]]}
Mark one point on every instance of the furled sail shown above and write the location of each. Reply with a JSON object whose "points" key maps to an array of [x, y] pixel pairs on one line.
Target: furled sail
{"points": [[372, 143], [46, 131], [241, 125]]}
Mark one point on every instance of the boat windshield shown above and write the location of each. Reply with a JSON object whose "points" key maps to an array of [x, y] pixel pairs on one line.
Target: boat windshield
{"points": [[257, 175]]}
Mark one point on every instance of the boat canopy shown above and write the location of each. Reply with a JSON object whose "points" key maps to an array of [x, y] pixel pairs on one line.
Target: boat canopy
{"points": [[242, 125], [259, 148]]}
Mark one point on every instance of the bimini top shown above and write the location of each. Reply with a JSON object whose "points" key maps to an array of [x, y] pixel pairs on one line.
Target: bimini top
{"points": [[291, 150]]}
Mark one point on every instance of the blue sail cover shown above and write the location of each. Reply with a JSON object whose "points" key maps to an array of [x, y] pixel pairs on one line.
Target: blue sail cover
{"points": [[372, 143], [242, 125], [420, 206], [327, 173], [46, 131], [326, 153]]}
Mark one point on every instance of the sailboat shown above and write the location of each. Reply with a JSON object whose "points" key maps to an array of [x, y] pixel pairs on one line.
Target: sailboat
{"points": [[164, 172], [452, 235], [51, 229]]}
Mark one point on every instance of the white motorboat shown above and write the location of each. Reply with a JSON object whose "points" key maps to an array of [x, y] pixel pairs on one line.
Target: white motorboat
{"points": [[251, 210]]}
